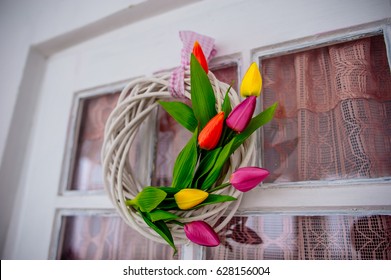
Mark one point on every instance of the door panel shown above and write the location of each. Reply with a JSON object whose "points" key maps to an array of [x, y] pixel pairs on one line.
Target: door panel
{"points": [[142, 48]]}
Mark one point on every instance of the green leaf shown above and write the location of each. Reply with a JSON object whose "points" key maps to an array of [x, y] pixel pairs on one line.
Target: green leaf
{"points": [[205, 165], [169, 205], [185, 164], [182, 113], [161, 228], [148, 199], [255, 123], [215, 198], [166, 231], [169, 190], [202, 94], [215, 172], [227, 108], [157, 215]]}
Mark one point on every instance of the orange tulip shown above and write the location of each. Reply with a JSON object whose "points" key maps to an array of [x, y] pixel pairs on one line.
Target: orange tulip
{"points": [[199, 54], [210, 135]]}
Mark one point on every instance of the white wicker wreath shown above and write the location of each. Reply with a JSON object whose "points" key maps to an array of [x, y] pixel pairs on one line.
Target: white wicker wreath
{"points": [[136, 102]]}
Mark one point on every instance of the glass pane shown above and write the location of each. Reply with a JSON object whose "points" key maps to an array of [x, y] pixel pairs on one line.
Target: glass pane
{"points": [[227, 74], [87, 173], [333, 119], [278, 237], [102, 237], [172, 137]]}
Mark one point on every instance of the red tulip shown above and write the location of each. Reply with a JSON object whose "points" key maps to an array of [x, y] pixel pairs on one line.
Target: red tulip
{"points": [[210, 135], [241, 115], [199, 54], [201, 233], [247, 178]]}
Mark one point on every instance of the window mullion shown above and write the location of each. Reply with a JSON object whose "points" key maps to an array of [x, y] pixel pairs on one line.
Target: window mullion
{"points": [[192, 251]]}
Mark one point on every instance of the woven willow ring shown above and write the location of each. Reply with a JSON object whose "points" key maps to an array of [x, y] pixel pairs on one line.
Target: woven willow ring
{"points": [[136, 102]]}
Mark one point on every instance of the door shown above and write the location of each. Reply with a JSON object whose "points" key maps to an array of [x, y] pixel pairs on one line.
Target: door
{"points": [[64, 206]]}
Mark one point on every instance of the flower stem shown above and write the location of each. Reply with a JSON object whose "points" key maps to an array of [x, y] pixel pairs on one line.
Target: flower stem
{"points": [[222, 186], [229, 136]]}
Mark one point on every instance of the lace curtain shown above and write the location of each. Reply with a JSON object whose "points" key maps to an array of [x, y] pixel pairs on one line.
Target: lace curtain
{"points": [[334, 114], [94, 237], [106, 237], [280, 237]]}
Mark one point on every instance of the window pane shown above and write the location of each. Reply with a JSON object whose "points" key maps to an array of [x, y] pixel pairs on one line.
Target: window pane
{"points": [[100, 237], [333, 120], [227, 74], [87, 173], [278, 237]]}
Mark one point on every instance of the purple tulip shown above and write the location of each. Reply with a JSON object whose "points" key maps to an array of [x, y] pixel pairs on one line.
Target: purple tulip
{"points": [[241, 115], [202, 233], [247, 178]]}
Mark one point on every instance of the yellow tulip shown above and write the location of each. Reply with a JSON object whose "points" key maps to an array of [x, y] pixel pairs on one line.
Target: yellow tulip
{"points": [[188, 198], [252, 82]]}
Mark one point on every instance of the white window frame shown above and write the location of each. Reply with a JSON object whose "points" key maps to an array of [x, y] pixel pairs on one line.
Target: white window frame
{"points": [[349, 197], [321, 197], [370, 196]]}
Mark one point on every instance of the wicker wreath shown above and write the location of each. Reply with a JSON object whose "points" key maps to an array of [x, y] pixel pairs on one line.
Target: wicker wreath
{"points": [[136, 102]]}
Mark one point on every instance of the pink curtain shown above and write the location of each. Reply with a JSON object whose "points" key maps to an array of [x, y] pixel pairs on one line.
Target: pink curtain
{"points": [[87, 169], [333, 120], [280, 237], [101, 237]]}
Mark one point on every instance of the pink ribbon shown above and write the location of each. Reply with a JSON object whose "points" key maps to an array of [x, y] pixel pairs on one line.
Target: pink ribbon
{"points": [[177, 86]]}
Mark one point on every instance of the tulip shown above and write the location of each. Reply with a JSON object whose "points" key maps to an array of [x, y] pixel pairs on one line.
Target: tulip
{"points": [[210, 135], [252, 82], [241, 115], [199, 54], [188, 198], [201, 233], [247, 178]]}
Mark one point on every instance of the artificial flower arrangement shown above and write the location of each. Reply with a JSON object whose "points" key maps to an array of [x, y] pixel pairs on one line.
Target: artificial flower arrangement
{"points": [[218, 131]]}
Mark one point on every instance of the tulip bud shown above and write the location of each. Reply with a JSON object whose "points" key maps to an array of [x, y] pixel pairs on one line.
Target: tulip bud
{"points": [[241, 115], [247, 178], [201, 233], [210, 135], [199, 54], [188, 198], [252, 82]]}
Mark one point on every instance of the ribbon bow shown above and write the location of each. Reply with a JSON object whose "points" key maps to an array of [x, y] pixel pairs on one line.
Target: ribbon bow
{"points": [[177, 87]]}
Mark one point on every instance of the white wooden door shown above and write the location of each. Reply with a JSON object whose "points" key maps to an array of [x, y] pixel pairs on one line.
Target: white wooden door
{"points": [[245, 31]]}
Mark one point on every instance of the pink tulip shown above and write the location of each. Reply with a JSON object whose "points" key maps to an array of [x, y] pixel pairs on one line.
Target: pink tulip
{"points": [[201, 233], [241, 115], [247, 178]]}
